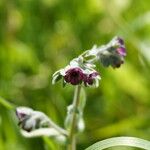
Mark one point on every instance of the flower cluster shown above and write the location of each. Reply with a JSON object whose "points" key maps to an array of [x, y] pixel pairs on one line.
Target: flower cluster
{"points": [[81, 69], [77, 76], [78, 72], [113, 54]]}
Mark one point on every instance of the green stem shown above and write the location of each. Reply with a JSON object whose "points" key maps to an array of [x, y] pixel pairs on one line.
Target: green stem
{"points": [[72, 135]]}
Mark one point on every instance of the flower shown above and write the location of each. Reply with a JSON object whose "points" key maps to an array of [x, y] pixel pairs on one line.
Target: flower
{"points": [[74, 76], [89, 79]]}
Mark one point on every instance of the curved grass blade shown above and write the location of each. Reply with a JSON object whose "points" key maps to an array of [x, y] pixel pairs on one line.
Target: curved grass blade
{"points": [[121, 141], [6, 104]]}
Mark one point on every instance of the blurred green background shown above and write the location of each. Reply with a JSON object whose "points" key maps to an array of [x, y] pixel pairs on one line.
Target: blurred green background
{"points": [[38, 37]]}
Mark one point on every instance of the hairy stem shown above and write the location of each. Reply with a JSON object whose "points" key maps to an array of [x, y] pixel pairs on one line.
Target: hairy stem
{"points": [[72, 134], [59, 129]]}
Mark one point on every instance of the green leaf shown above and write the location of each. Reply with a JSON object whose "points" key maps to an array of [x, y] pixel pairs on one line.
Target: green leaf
{"points": [[121, 141], [0, 121], [89, 57], [56, 78], [49, 143], [6, 104], [63, 83]]}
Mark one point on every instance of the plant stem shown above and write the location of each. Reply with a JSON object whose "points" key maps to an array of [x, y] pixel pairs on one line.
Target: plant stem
{"points": [[72, 136], [59, 129]]}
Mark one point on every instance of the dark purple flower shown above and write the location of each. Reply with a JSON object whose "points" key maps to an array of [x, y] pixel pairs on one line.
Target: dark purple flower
{"points": [[74, 76], [89, 79]]}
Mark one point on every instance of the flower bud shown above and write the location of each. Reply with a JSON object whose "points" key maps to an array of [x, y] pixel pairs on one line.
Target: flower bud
{"points": [[24, 114], [114, 53], [30, 119]]}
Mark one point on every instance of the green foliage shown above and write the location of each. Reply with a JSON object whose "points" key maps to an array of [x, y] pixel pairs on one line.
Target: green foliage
{"points": [[38, 37], [120, 141]]}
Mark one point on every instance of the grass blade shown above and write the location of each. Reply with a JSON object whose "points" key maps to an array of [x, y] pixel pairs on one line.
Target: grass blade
{"points": [[120, 141], [6, 104]]}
